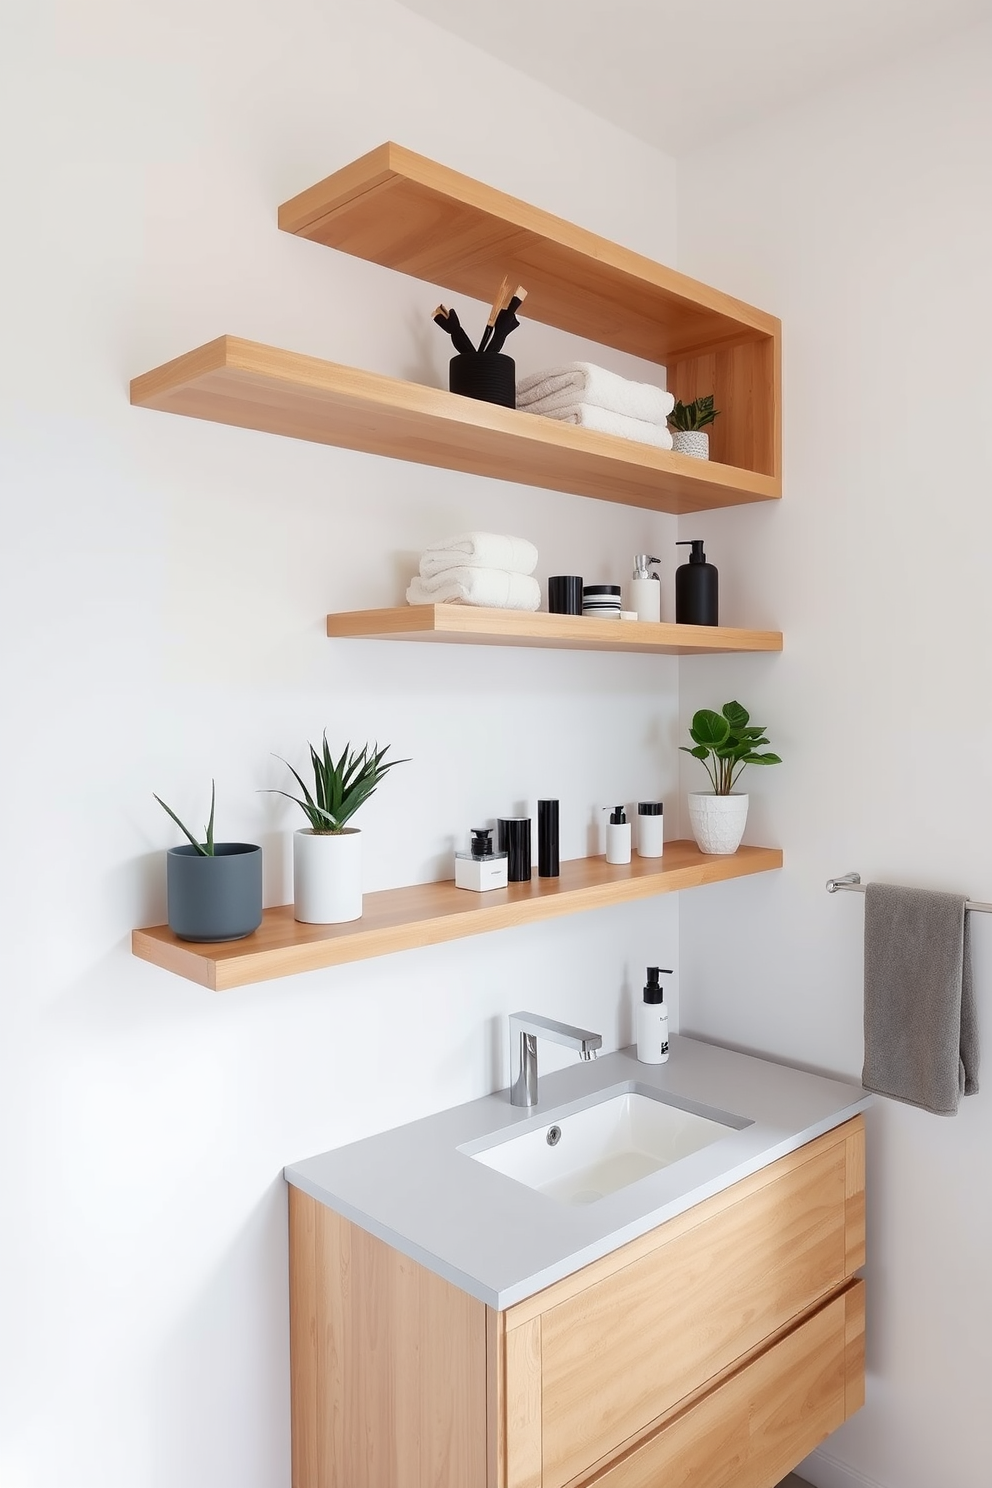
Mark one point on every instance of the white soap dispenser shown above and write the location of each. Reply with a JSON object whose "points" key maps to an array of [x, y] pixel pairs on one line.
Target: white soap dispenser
{"points": [[652, 1020], [645, 588]]}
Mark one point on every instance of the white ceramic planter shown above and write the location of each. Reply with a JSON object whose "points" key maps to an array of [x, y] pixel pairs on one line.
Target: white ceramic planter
{"points": [[695, 442], [327, 876], [717, 821]]}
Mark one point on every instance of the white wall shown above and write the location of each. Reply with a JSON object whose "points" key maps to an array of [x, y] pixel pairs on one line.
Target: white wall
{"points": [[164, 584], [864, 220]]}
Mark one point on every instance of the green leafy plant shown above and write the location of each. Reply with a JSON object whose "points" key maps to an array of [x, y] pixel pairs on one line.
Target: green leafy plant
{"points": [[205, 849], [694, 415], [340, 786], [726, 742]]}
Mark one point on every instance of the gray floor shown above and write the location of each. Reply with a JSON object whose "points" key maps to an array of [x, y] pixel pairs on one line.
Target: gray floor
{"points": [[793, 1482]]}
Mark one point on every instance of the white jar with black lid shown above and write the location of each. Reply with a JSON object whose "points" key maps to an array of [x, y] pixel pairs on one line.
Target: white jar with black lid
{"points": [[650, 829], [601, 601]]}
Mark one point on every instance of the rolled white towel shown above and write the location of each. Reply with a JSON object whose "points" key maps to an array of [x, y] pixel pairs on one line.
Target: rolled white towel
{"points": [[492, 587], [480, 550], [588, 383], [588, 416]]}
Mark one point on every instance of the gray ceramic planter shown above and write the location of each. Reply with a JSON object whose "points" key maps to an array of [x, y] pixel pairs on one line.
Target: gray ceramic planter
{"points": [[218, 898]]}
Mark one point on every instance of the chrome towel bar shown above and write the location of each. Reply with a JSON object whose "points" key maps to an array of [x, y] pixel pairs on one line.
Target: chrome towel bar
{"points": [[852, 882]]}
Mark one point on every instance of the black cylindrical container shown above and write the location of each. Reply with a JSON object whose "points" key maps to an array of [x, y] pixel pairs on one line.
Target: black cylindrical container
{"points": [[565, 594], [514, 840], [547, 839], [482, 375], [697, 593]]}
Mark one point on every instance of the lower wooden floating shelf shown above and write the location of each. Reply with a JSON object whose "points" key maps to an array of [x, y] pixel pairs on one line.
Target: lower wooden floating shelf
{"points": [[475, 626], [431, 913]]}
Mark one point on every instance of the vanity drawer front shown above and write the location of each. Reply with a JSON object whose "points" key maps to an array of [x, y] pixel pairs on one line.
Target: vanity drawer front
{"points": [[751, 1430], [628, 1348]]}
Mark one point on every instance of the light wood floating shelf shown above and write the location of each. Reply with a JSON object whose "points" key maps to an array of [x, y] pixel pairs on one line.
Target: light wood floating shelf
{"points": [[231, 381], [475, 626], [429, 914], [401, 210]]}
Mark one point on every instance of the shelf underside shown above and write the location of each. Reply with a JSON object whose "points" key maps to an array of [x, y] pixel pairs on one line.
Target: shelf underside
{"points": [[475, 626], [399, 209], [429, 914], [231, 381]]}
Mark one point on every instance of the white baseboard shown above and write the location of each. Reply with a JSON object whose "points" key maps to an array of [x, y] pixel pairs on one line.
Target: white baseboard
{"points": [[822, 1470]]}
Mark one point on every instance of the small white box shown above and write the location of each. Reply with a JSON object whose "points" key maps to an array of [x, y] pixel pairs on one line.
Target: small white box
{"points": [[480, 874]]}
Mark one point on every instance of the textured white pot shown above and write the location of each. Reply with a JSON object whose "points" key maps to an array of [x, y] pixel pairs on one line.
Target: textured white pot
{"points": [[717, 821], [327, 876], [695, 442]]}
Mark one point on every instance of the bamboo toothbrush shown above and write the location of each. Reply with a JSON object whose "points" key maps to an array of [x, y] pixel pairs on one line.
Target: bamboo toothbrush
{"points": [[506, 321], [502, 297]]}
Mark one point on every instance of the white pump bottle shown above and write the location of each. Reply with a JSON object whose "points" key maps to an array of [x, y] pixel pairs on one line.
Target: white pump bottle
{"points": [[652, 1020], [645, 588]]}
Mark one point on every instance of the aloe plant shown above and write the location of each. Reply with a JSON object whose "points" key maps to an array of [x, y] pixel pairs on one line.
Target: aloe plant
{"points": [[341, 786], [726, 742], [694, 415], [205, 849]]}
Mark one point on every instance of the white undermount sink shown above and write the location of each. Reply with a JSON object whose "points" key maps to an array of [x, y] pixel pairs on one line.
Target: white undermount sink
{"points": [[579, 1155]]}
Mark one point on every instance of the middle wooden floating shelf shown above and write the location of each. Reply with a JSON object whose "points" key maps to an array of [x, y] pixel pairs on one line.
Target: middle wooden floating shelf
{"points": [[231, 381], [431, 913], [475, 626]]}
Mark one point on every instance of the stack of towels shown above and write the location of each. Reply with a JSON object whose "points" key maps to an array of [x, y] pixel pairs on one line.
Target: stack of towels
{"points": [[584, 394], [478, 568]]}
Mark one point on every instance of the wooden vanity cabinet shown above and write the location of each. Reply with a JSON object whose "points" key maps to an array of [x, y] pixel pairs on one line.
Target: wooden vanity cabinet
{"points": [[716, 1350]]}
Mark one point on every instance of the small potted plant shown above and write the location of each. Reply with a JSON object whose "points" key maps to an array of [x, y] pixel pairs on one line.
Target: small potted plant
{"points": [[214, 888], [688, 423], [327, 854], [726, 742]]}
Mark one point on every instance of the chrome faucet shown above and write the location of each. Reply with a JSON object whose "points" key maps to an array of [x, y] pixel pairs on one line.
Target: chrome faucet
{"points": [[523, 1089]]}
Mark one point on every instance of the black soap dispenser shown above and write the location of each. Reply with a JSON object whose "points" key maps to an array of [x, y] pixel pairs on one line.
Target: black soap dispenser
{"points": [[697, 588]]}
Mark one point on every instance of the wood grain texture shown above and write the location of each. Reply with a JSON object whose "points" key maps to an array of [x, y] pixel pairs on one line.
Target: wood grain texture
{"points": [[231, 381], [523, 1395], [746, 384], [626, 1351], [399, 1363], [854, 1337], [495, 1398], [304, 1403], [430, 914], [855, 1192], [758, 1424], [683, 1224], [400, 209], [477, 626]]}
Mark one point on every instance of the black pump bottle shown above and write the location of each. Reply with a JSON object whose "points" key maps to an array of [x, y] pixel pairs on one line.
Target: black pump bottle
{"points": [[697, 588]]}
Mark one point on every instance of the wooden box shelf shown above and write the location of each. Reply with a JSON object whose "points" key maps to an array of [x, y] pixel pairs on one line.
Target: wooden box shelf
{"points": [[399, 209], [429, 914], [475, 626], [231, 381]]}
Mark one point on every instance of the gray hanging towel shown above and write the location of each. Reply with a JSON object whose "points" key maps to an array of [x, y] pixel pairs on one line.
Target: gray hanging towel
{"points": [[921, 1038]]}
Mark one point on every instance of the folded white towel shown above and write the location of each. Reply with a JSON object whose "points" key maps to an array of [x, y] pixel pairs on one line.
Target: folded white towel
{"points": [[588, 383], [588, 416], [480, 550], [493, 587]]}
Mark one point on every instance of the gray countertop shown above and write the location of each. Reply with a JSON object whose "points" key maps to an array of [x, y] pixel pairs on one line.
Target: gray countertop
{"points": [[502, 1241]]}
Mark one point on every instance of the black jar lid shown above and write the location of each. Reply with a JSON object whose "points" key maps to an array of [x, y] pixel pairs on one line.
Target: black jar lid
{"points": [[612, 589], [650, 808]]}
